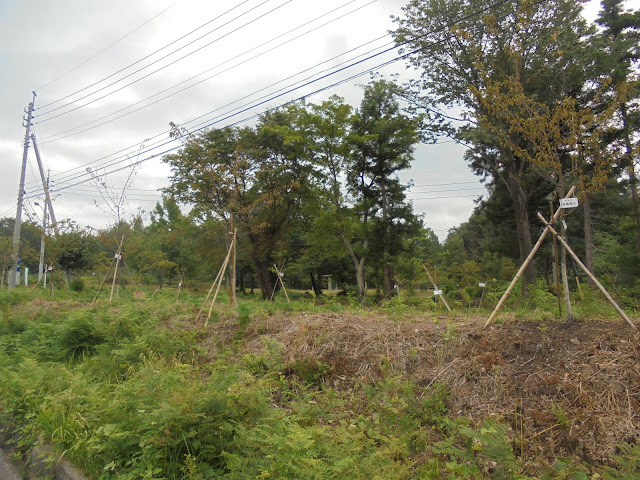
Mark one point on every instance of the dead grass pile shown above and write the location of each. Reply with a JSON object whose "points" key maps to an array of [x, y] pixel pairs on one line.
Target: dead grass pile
{"points": [[568, 390]]}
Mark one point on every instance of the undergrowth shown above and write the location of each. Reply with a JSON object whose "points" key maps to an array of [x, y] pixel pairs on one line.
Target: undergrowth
{"points": [[128, 390]]}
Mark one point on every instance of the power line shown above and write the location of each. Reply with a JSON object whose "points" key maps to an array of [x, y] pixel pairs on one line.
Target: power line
{"points": [[156, 61], [48, 139], [163, 141], [377, 54], [293, 89], [450, 190], [438, 198], [443, 184], [472, 14], [145, 57], [102, 51]]}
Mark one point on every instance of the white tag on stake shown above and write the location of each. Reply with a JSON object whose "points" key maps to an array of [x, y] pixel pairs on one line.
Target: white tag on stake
{"points": [[118, 256], [482, 285], [568, 202], [437, 292]]}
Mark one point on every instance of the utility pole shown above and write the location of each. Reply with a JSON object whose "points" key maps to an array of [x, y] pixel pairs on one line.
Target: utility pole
{"points": [[18, 223], [45, 186], [44, 231]]}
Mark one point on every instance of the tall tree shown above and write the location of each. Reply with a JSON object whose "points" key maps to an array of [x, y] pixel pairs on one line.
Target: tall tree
{"points": [[383, 138], [618, 52], [259, 175], [461, 47]]}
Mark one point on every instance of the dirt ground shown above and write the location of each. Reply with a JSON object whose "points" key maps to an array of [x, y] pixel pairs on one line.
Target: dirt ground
{"points": [[567, 390]]}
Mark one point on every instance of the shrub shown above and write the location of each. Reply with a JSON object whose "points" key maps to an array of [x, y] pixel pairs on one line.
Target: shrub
{"points": [[77, 285]]}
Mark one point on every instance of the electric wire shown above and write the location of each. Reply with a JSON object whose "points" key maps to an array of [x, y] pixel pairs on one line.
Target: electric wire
{"points": [[60, 135], [472, 14], [61, 177], [322, 89], [448, 190], [438, 198], [159, 69], [145, 57], [84, 62]]}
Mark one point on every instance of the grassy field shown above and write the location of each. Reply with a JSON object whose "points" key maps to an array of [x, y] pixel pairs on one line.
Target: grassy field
{"points": [[136, 389]]}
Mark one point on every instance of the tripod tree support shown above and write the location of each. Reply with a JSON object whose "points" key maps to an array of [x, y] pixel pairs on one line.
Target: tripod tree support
{"points": [[435, 287], [526, 262], [279, 279], [218, 281], [589, 274]]}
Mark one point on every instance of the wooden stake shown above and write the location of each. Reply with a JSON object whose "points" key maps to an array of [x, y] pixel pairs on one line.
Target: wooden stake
{"points": [[556, 274], [586, 270], [104, 281], [525, 263], [281, 283], [233, 301], [218, 281], [482, 296], [115, 272], [433, 282], [180, 284], [222, 270]]}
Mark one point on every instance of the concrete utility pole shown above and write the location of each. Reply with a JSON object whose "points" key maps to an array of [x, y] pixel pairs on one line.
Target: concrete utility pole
{"points": [[44, 232], [45, 186], [18, 223]]}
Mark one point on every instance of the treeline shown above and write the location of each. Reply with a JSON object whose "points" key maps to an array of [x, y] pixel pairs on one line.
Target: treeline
{"points": [[544, 101]]}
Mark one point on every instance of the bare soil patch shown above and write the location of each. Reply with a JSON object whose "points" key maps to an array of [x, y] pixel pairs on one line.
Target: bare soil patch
{"points": [[567, 390]]}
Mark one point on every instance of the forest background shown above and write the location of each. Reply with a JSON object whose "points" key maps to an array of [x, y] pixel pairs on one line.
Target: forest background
{"points": [[545, 101]]}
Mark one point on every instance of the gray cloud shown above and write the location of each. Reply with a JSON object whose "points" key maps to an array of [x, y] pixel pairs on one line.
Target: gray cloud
{"points": [[62, 35]]}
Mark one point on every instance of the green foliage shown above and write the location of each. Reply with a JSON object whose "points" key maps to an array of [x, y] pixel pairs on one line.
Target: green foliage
{"points": [[77, 285], [126, 392]]}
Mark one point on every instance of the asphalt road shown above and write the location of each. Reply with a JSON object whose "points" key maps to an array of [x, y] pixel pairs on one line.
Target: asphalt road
{"points": [[7, 471]]}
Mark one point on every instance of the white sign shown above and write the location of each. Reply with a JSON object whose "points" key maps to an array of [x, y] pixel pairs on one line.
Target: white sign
{"points": [[281, 274], [482, 285], [437, 292], [568, 202], [118, 256]]}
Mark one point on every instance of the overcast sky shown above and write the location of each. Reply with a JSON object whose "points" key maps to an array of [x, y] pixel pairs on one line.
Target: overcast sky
{"points": [[108, 77]]}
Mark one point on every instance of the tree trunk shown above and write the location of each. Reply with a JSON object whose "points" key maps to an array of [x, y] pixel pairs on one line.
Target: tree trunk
{"points": [[315, 284], [387, 269], [522, 230], [263, 276], [358, 263], [565, 278], [362, 289], [631, 171], [588, 239]]}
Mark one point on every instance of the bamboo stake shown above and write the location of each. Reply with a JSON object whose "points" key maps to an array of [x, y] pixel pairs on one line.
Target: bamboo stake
{"points": [[104, 281], [526, 262], [224, 268], [215, 281], [586, 270], [435, 286], [37, 283]]}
